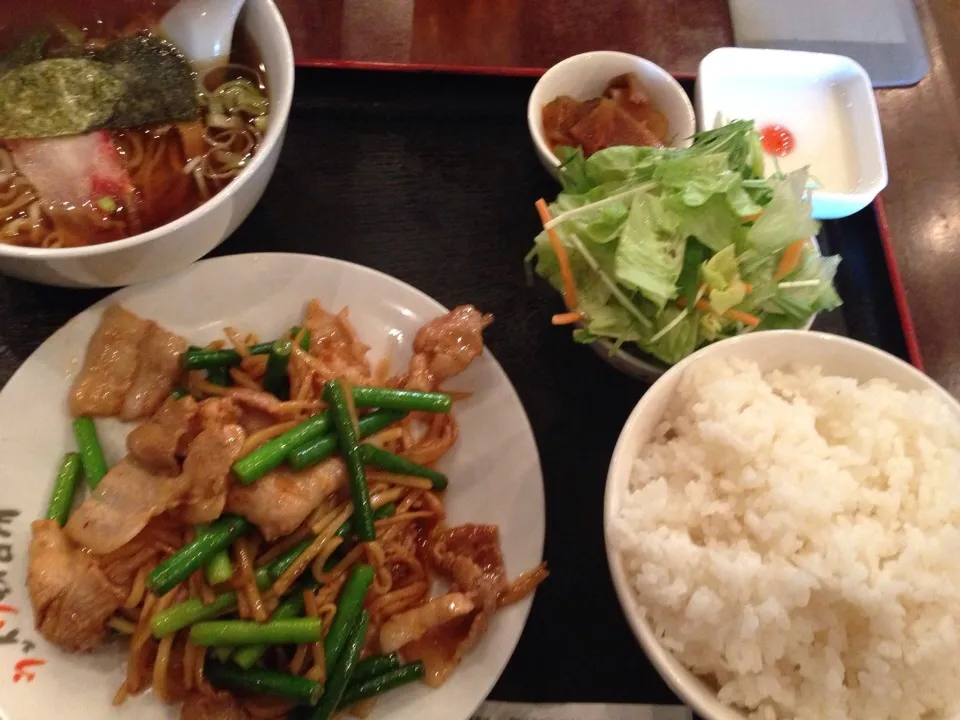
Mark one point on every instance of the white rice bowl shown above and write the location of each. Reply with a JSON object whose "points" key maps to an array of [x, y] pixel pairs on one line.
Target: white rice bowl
{"points": [[793, 540]]}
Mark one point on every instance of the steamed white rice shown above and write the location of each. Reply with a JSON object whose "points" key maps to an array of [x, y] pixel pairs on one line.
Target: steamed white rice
{"points": [[794, 538]]}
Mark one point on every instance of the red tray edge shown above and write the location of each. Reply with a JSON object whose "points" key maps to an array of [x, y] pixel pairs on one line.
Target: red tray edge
{"points": [[896, 282], [900, 296], [507, 70]]}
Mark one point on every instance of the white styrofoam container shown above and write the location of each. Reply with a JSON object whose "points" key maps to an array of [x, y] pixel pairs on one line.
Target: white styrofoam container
{"points": [[825, 101]]}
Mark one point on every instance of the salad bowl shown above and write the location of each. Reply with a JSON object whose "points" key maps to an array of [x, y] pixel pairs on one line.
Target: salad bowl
{"points": [[660, 251]]}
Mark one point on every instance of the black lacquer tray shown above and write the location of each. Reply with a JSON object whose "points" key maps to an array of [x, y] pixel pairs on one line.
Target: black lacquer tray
{"points": [[432, 179]]}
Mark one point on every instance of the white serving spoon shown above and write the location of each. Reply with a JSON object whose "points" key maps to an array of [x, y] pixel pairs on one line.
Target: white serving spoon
{"points": [[202, 30]]}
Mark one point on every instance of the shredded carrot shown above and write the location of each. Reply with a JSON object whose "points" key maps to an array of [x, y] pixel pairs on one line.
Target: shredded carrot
{"points": [[569, 288], [789, 259], [747, 287], [745, 318], [567, 318], [752, 216]]}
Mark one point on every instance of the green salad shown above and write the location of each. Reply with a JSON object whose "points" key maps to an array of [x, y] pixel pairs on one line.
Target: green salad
{"points": [[673, 248]]}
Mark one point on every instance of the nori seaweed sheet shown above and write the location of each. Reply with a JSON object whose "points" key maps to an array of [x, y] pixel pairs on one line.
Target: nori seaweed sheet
{"points": [[28, 50], [137, 80], [36, 102], [160, 82]]}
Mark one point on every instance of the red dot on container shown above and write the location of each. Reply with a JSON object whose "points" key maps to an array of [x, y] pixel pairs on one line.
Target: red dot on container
{"points": [[776, 140]]}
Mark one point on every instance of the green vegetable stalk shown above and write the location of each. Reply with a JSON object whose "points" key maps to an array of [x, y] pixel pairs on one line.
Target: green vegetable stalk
{"points": [[286, 631], [91, 454], [65, 485], [177, 567], [334, 393]]}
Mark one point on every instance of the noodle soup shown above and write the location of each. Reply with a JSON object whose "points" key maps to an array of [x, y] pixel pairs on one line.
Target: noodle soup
{"points": [[146, 159]]}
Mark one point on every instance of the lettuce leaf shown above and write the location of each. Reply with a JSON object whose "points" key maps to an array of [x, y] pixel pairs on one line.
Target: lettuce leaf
{"points": [[786, 218], [744, 205], [679, 341], [650, 252], [623, 163], [698, 177], [721, 270], [807, 290], [722, 274], [729, 297], [599, 224], [713, 223], [573, 170]]}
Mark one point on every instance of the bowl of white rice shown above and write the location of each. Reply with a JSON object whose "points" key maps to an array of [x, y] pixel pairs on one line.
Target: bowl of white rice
{"points": [[782, 520]]}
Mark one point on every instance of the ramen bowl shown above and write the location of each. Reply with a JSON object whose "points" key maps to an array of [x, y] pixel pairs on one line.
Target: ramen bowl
{"points": [[173, 246]]}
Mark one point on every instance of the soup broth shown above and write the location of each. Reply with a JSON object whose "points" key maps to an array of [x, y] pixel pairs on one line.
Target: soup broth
{"points": [[74, 190]]}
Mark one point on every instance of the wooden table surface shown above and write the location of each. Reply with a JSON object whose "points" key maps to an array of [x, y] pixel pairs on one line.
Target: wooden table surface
{"points": [[920, 124]]}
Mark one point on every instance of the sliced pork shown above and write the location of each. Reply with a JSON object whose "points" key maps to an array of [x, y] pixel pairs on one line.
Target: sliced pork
{"points": [[206, 471], [469, 557], [259, 400], [608, 124], [162, 536], [158, 367], [220, 411], [445, 346], [129, 369], [110, 363], [222, 706], [413, 624], [334, 343], [122, 504], [441, 648], [252, 409], [282, 499], [523, 584], [71, 597], [161, 440], [623, 115]]}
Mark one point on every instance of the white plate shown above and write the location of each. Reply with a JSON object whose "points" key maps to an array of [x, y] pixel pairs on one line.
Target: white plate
{"points": [[494, 468]]}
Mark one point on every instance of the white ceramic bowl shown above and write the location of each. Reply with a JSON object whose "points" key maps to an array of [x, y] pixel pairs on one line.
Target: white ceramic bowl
{"points": [[825, 101], [586, 76], [836, 355], [173, 246]]}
